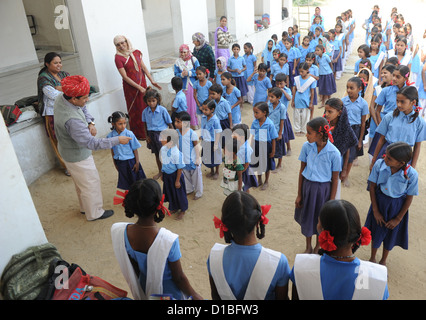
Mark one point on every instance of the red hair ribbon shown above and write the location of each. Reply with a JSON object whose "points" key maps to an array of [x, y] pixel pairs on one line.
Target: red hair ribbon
{"points": [[326, 241], [328, 129], [365, 237], [218, 224], [118, 200], [417, 109], [162, 208], [363, 81], [408, 83], [406, 169], [384, 156], [265, 210]]}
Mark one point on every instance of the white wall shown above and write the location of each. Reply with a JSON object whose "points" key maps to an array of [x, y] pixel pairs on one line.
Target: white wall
{"points": [[155, 12], [20, 226], [17, 47]]}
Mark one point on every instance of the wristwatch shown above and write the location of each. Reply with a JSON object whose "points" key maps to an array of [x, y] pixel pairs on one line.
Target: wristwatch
{"points": [[91, 122]]}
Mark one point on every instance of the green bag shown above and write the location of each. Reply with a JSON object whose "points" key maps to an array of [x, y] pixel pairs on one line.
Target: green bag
{"points": [[27, 273]]}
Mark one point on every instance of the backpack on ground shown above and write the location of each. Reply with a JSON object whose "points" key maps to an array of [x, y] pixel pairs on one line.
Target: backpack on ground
{"points": [[10, 114]]}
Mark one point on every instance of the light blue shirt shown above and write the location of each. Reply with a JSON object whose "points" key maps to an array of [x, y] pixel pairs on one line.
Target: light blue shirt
{"points": [[180, 103], [276, 68], [324, 64], [186, 147], [320, 166], [266, 132], [209, 128], [314, 70], [244, 152], [249, 60], [262, 86], [276, 115], [302, 100], [236, 63], [355, 109], [387, 99], [223, 109], [304, 52], [284, 100], [394, 185], [232, 98], [171, 159], [202, 93], [238, 265], [124, 151], [292, 54], [157, 120], [400, 129]]}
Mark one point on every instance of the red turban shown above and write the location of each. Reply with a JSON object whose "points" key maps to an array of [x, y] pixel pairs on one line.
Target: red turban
{"points": [[75, 86]]}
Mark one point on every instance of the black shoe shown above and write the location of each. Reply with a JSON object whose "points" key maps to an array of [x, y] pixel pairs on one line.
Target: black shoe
{"points": [[107, 214]]}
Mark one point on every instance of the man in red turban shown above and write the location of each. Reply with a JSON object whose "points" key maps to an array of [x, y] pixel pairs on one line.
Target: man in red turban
{"points": [[75, 130]]}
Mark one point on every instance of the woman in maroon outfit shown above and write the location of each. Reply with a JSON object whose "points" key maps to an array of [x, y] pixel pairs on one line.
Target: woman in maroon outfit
{"points": [[133, 70]]}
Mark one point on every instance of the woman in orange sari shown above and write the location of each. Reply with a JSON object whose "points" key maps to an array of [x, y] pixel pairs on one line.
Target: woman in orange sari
{"points": [[133, 71]]}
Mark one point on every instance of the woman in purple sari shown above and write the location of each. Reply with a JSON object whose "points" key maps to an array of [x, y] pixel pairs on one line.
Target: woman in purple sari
{"points": [[223, 40]]}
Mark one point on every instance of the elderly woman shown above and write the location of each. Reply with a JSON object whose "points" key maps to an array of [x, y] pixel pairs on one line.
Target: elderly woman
{"points": [[49, 88], [133, 71], [185, 68], [204, 53], [223, 40]]}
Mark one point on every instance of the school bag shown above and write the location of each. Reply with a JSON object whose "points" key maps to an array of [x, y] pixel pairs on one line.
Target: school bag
{"points": [[71, 282], [26, 274], [10, 114]]}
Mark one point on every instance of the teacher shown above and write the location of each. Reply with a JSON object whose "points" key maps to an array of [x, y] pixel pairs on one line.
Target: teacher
{"points": [[204, 53], [223, 40], [133, 71]]}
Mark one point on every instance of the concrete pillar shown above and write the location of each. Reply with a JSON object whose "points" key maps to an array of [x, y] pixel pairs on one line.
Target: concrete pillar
{"points": [[15, 35], [240, 14], [20, 226], [189, 17]]}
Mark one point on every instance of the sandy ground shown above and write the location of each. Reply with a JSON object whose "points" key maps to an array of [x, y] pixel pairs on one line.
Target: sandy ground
{"points": [[89, 243]]}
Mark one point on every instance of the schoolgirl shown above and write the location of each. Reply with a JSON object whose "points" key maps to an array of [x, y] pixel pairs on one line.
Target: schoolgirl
{"points": [[296, 36], [251, 62], [277, 113], [125, 156], [318, 178], [314, 73], [241, 133], [156, 119], [401, 52], [377, 57], [210, 139], [303, 97], [286, 97], [363, 53], [338, 51], [174, 188], [221, 68], [142, 247], [305, 48], [179, 103], [237, 66], [326, 82], [267, 55], [233, 95], [317, 23], [232, 179], [261, 83], [243, 269], [393, 184], [340, 36], [281, 67], [223, 108], [265, 136], [403, 124], [293, 59], [336, 273], [201, 90]]}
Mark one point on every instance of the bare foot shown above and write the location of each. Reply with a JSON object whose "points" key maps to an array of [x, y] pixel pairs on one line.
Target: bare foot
{"points": [[180, 215], [264, 186], [215, 176], [382, 262]]}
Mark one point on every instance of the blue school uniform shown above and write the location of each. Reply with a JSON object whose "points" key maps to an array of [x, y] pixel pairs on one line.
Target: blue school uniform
{"points": [[218, 78], [276, 68], [297, 40], [302, 100], [156, 122], [391, 193], [124, 159], [320, 166], [222, 111], [326, 83], [304, 52], [266, 132], [263, 136], [387, 99], [232, 98], [245, 153], [202, 93], [172, 161], [261, 86], [236, 63], [209, 129], [277, 115], [314, 26], [186, 147], [288, 128], [324, 64], [249, 60], [180, 103], [239, 262], [356, 67], [355, 109], [314, 70]]}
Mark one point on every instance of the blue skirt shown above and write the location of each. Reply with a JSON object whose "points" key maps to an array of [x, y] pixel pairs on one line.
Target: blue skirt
{"points": [[288, 133], [260, 160], [373, 127], [314, 195], [155, 144], [291, 76], [280, 149], [175, 197], [126, 175], [354, 152], [241, 84], [210, 158], [249, 179], [327, 85], [338, 65], [389, 208], [373, 146]]}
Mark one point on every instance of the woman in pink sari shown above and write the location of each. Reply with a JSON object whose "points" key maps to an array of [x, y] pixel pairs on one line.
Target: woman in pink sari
{"points": [[133, 70]]}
